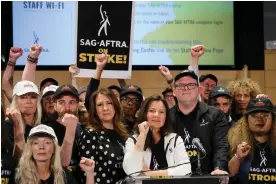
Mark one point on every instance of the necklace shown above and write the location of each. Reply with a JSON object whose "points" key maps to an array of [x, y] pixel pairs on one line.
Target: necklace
{"points": [[257, 144]]}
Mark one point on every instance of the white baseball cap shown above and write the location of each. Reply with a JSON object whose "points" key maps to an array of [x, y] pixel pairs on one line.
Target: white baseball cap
{"points": [[42, 129], [51, 88], [23, 87]]}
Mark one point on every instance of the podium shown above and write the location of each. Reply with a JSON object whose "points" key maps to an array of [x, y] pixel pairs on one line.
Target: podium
{"points": [[207, 179]]}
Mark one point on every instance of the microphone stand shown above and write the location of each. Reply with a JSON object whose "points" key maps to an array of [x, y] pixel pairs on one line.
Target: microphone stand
{"points": [[198, 169]]}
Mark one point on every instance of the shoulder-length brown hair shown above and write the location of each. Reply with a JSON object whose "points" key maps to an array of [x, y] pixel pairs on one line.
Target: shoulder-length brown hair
{"points": [[142, 116], [94, 120]]}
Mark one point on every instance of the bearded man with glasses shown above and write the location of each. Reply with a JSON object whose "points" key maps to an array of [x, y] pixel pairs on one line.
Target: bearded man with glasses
{"points": [[194, 119]]}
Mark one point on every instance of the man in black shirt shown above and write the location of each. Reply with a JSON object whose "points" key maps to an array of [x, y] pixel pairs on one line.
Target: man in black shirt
{"points": [[194, 119], [66, 127], [221, 98], [131, 98]]}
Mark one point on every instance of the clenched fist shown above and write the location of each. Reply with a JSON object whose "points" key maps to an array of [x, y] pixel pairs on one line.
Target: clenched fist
{"points": [[197, 50], [101, 61], [73, 69], [243, 149], [143, 128], [14, 115], [15, 53], [87, 165], [35, 51], [69, 120], [165, 72]]}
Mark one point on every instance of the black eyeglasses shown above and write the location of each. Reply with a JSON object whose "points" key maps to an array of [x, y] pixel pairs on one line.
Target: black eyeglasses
{"points": [[188, 86], [49, 98], [132, 100]]}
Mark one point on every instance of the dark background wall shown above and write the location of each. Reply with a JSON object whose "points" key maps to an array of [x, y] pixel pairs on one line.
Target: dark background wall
{"points": [[270, 20]]}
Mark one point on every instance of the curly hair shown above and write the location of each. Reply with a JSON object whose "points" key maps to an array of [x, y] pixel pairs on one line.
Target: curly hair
{"points": [[240, 133], [247, 84], [26, 172]]}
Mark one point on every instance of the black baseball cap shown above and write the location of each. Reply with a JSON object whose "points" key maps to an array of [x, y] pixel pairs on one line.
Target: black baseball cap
{"points": [[66, 89], [48, 80], [186, 73], [208, 76], [132, 89], [219, 91], [259, 104], [115, 87], [167, 90]]}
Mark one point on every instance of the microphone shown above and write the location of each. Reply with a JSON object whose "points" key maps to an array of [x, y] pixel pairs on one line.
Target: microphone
{"points": [[130, 175], [196, 142]]}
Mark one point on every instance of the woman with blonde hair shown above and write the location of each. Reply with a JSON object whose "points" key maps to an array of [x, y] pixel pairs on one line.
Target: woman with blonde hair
{"points": [[25, 108], [40, 161]]}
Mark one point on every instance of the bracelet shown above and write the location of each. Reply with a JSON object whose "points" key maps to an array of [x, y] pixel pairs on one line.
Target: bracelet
{"points": [[170, 81], [10, 63], [239, 158], [32, 60]]}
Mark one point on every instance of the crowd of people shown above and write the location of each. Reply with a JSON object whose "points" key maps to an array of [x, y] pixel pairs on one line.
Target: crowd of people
{"points": [[62, 133]]}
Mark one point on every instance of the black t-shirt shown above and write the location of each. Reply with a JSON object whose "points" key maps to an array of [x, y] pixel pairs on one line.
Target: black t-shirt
{"points": [[106, 148], [9, 129], [158, 157], [60, 133], [7, 166], [263, 166], [69, 179], [187, 131]]}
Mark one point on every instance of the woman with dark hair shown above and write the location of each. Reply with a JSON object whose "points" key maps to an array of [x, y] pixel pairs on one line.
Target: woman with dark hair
{"points": [[154, 147], [104, 138]]}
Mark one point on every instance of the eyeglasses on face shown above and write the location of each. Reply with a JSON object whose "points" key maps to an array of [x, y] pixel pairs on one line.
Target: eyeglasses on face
{"points": [[188, 86], [132, 100]]}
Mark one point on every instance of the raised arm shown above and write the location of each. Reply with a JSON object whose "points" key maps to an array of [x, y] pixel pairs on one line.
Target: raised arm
{"points": [[18, 130], [70, 122], [196, 52], [7, 81], [94, 83], [167, 75], [32, 59], [73, 69]]}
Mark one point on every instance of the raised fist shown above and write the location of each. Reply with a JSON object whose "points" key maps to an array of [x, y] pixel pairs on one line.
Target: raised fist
{"points": [[143, 128], [101, 61], [165, 72], [73, 69], [15, 53], [87, 165], [197, 50], [69, 120], [243, 149], [14, 115], [35, 51]]}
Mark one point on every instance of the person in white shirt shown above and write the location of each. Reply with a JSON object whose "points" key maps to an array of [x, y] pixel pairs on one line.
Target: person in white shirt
{"points": [[154, 147]]}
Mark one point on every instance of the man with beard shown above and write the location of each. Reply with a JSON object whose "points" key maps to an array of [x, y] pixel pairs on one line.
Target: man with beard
{"points": [[47, 102], [66, 126], [221, 98], [131, 98], [253, 144], [208, 82], [194, 119]]}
